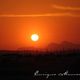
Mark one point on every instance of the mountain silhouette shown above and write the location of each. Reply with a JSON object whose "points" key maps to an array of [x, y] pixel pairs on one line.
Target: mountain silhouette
{"points": [[65, 45]]}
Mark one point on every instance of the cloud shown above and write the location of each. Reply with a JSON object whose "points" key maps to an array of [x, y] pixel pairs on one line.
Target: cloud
{"points": [[66, 7], [42, 15]]}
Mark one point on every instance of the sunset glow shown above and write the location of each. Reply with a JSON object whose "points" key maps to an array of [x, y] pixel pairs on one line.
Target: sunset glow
{"points": [[35, 37], [28, 23]]}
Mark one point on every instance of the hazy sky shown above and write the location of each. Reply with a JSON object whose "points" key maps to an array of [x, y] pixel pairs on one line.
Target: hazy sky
{"points": [[53, 20]]}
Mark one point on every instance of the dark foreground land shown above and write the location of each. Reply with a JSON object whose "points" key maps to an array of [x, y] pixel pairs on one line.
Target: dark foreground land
{"points": [[22, 65]]}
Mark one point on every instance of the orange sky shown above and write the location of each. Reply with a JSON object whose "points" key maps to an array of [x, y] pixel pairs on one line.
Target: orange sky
{"points": [[53, 20]]}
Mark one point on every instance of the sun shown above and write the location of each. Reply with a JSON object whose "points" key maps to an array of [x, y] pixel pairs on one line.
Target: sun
{"points": [[34, 37]]}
